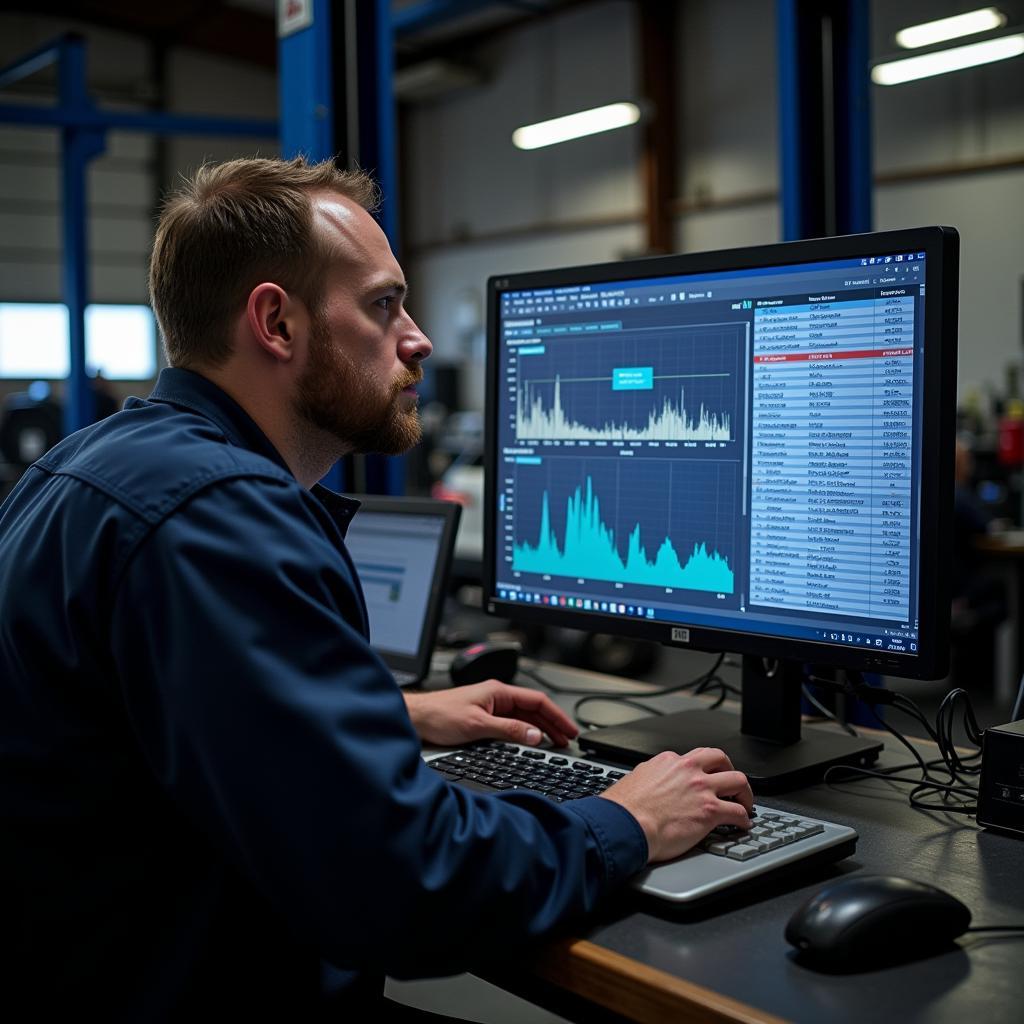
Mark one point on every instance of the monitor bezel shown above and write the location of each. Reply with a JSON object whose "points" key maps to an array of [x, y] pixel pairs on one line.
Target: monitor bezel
{"points": [[941, 246]]}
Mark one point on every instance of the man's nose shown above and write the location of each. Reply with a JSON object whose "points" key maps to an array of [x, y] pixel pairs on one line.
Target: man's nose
{"points": [[415, 346]]}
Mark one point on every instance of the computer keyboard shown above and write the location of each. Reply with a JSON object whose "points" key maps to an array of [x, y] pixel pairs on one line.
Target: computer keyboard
{"points": [[725, 858]]}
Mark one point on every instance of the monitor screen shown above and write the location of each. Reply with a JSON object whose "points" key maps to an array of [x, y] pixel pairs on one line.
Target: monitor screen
{"points": [[747, 450], [396, 556]]}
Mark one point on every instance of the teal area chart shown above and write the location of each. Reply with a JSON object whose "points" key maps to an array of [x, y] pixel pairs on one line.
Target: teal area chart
{"points": [[589, 550], [654, 523]]}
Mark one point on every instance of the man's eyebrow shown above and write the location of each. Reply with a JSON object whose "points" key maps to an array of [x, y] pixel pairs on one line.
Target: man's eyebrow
{"points": [[395, 286]]}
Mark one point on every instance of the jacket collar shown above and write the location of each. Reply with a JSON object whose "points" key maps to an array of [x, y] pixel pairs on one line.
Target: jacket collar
{"points": [[190, 390]]}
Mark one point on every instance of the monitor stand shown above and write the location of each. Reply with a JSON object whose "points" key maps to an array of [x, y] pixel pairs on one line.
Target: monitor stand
{"points": [[765, 741]]}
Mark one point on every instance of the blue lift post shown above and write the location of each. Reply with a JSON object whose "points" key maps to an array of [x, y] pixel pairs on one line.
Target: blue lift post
{"points": [[83, 137], [305, 88], [312, 124], [824, 117], [824, 55], [378, 153]]}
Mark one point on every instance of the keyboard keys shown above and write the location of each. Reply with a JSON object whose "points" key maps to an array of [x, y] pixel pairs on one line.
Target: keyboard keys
{"points": [[742, 851], [498, 767]]}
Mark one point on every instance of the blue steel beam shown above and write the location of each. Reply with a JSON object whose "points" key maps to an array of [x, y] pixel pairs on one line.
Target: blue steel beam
{"points": [[791, 129], [305, 89], [79, 146], [307, 70], [854, 165], [824, 117], [30, 64], [143, 121], [83, 137], [378, 152], [431, 13], [385, 121]]}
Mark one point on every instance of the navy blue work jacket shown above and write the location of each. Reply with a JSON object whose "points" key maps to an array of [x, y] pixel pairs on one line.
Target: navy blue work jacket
{"points": [[209, 783]]}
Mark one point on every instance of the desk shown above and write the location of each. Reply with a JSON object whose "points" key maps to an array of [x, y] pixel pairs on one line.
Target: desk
{"points": [[652, 964]]}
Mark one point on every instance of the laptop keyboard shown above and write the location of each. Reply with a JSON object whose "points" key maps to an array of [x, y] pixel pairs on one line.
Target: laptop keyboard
{"points": [[725, 857]]}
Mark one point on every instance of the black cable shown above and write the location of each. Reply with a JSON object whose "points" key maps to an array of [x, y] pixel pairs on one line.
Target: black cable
{"points": [[586, 695], [920, 788], [811, 699], [1018, 704], [590, 724], [675, 688], [997, 928], [927, 784]]}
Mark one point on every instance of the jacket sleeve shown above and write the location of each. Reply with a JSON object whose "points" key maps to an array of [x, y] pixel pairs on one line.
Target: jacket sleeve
{"points": [[265, 714]]}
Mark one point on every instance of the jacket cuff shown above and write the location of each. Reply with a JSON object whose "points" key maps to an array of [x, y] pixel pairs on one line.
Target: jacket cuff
{"points": [[619, 836]]}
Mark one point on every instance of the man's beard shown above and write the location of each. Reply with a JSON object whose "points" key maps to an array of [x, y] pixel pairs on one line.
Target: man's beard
{"points": [[342, 399]]}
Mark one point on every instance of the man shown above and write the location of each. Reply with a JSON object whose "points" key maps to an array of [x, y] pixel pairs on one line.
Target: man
{"points": [[209, 784]]}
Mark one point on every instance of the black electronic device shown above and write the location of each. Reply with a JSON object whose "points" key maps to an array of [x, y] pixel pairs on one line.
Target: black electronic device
{"points": [[748, 450], [482, 661], [874, 920], [1001, 786]]}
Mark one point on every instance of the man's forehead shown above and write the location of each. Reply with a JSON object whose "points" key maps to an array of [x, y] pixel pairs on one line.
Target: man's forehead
{"points": [[352, 234]]}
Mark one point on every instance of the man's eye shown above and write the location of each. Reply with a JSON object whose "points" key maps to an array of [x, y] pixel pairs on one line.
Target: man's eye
{"points": [[385, 302]]}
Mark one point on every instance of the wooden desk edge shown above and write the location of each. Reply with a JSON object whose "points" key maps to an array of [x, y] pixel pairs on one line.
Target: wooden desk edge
{"points": [[637, 991]]}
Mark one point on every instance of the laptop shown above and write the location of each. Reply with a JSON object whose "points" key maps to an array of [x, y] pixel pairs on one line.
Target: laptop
{"points": [[402, 549]]}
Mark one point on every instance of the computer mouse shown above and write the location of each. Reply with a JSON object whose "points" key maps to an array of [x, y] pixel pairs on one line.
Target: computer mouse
{"points": [[872, 920], [483, 661]]}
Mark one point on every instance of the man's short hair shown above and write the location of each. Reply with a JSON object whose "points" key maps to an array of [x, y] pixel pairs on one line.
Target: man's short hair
{"points": [[229, 227]]}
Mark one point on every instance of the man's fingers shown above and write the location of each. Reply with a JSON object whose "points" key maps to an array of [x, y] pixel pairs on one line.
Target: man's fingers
{"points": [[732, 786], [734, 813], [535, 706], [731, 783], [711, 759], [516, 731]]}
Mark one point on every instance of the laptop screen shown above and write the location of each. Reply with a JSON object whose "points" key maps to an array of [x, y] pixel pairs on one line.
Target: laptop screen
{"points": [[402, 551]]}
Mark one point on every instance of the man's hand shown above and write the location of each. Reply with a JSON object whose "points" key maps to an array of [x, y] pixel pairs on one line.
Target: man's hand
{"points": [[488, 710], [679, 800]]}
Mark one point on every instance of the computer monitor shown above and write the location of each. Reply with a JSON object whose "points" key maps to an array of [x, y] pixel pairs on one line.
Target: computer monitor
{"points": [[747, 450]]}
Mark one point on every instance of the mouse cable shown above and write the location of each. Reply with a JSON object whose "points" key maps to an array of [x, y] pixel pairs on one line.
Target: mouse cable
{"points": [[996, 928]]}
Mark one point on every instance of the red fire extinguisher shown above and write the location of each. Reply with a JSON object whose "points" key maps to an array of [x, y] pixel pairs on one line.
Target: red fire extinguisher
{"points": [[1011, 434]]}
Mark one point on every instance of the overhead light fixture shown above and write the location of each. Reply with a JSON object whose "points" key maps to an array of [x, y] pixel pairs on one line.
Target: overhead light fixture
{"points": [[576, 126], [956, 58], [983, 20]]}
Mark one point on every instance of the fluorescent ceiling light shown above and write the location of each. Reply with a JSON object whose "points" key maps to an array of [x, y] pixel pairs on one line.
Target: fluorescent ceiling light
{"points": [[575, 126], [955, 59], [983, 20]]}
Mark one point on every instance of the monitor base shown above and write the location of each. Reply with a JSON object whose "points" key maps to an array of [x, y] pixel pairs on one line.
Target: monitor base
{"points": [[770, 767]]}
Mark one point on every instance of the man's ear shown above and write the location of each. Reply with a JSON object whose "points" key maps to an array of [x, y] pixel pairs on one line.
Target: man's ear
{"points": [[275, 319]]}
